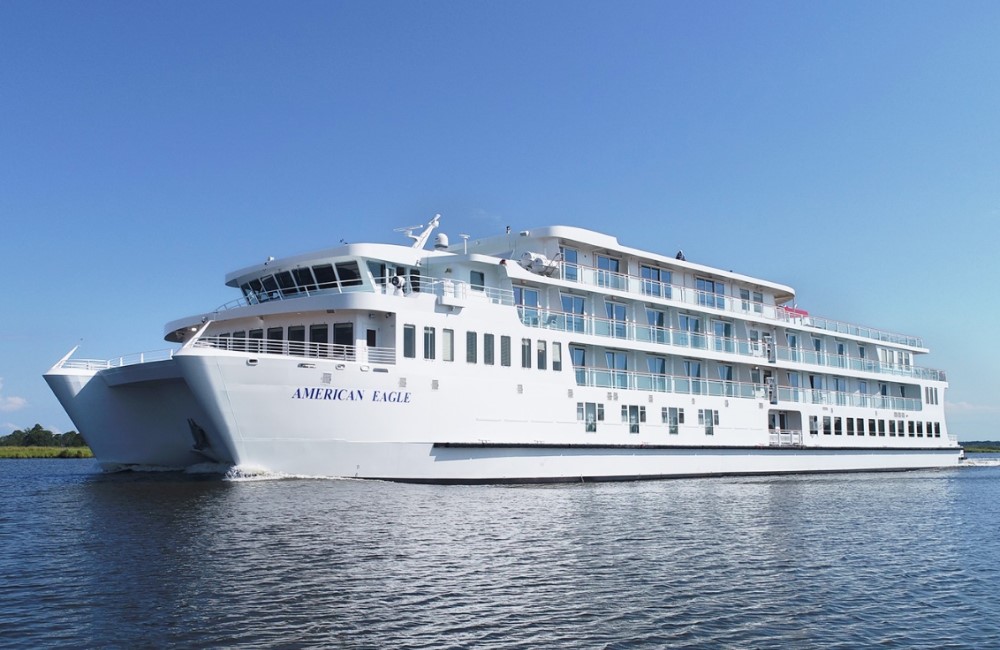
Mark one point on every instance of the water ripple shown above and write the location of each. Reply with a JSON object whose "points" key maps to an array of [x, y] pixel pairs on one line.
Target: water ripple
{"points": [[173, 560]]}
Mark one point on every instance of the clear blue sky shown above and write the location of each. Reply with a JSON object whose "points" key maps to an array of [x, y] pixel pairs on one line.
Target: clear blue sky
{"points": [[848, 149]]}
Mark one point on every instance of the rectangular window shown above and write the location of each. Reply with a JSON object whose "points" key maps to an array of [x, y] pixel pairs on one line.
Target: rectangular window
{"points": [[590, 423], [871, 427], [892, 428], [850, 426], [349, 274], [325, 277], [429, 343], [861, 426], [488, 345], [319, 340], [813, 425], [569, 263], [557, 356], [710, 419], [447, 345], [827, 425], [655, 281], [275, 336], [711, 293], [881, 427], [505, 351], [912, 428], [837, 429], [527, 304], [673, 417], [296, 339], [256, 340], [937, 429], [471, 352], [608, 272], [920, 429], [304, 278], [525, 353], [478, 280], [543, 361]]}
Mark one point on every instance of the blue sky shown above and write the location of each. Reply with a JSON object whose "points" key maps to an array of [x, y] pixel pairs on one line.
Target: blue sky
{"points": [[848, 149]]}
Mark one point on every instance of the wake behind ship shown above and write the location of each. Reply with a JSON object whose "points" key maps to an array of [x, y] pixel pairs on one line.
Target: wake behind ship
{"points": [[551, 354]]}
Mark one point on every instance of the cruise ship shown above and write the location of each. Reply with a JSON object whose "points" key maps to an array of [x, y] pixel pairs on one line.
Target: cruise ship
{"points": [[550, 354]]}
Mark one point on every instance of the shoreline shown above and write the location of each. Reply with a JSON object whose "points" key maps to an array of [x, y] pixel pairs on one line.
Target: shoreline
{"points": [[46, 452]]}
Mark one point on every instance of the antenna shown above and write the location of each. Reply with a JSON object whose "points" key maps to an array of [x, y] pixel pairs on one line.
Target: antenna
{"points": [[421, 239], [465, 243]]}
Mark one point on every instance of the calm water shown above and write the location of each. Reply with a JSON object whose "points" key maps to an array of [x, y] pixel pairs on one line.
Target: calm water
{"points": [[127, 560]]}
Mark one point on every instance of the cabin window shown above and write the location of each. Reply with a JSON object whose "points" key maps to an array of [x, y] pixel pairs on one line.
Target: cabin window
{"points": [[488, 351], [304, 278], [270, 286], [527, 304], [827, 425], [850, 426], [325, 277], [634, 415], [255, 340], [319, 334], [478, 280], [590, 413], [655, 281], [570, 257], [573, 307], [296, 339], [937, 429], [447, 345], [275, 336], [542, 356], [711, 293], [505, 351], [709, 418], [912, 428], [525, 353], [609, 272], [429, 343], [409, 341], [861, 427], [837, 427], [471, 351], [673, 417], [813, 425], [286, 283], [349, 274], [881, 428], [892, 428], [557, 356]]}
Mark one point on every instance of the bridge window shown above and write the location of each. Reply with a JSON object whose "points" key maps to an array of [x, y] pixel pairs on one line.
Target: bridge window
{"points": [[325, 277], [349, 274]]}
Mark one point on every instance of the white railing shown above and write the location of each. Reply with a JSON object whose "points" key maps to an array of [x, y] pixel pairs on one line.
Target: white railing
{"points": [[785, 437], [651, 288], [126, 360], [358, 353], [628, 380], [631, 331]]}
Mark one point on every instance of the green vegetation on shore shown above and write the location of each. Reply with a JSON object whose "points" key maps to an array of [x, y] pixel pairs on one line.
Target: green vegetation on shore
{"points": [[46, 452], [39, 442], [981, 447]]}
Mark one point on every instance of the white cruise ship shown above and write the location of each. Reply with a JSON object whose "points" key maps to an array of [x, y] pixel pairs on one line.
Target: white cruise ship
{"points": [[551, 354]]}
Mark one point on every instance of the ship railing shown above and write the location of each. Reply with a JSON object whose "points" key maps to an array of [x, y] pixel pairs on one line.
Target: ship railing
{"points": [[664, 383], [626, 283], [631, 331], [785, 437], [355, 353], [467, 291], [125, 360]]}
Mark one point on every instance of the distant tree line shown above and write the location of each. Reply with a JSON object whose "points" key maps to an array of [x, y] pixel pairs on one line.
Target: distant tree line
{"points": [[39, 436]]}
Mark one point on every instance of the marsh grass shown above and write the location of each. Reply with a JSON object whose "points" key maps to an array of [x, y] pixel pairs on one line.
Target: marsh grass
{"points": [[46, 452]]}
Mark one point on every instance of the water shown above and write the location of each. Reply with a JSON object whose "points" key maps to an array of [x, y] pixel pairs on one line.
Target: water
{"points": [[170, 560]]}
